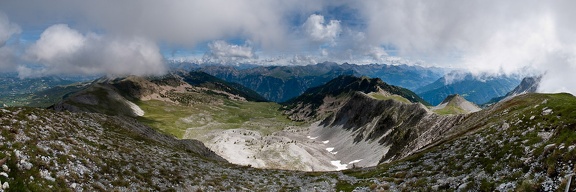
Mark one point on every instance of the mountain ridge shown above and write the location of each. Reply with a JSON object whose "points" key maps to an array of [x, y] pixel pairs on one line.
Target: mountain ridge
{"points": [[478, 91], [526, 142], [314, 97], [281, 83]]}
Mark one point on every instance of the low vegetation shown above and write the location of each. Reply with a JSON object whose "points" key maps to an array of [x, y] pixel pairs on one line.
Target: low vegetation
{"points": [[528, 144], [215, 113]]}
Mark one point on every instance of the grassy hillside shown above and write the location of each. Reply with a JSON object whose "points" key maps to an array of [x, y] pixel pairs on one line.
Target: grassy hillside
{"points": [[526, 144], [44, 150], [199, 118]]}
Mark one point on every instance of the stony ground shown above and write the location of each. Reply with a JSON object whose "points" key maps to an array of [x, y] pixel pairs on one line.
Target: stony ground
{"points": [[527, 144], [48, 150]]}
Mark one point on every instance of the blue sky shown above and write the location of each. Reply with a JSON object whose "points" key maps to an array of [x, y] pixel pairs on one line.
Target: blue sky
{"points": [[140, 36]]}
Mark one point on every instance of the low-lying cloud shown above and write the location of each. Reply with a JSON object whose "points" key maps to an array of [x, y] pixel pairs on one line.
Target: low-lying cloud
{"points": [[222, 52], [62, 50], [7, 56], [318, 30], [485, 37]]}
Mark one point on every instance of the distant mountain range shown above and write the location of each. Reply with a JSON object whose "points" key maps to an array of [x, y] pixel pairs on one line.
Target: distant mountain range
{"points": [[306, 105], [176, 132], [475, 89], [281, 83]]}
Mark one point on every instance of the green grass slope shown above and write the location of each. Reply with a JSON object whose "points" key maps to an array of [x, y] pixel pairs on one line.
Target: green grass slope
{"points": [[44, 150], [215, 113], [525, 144]]}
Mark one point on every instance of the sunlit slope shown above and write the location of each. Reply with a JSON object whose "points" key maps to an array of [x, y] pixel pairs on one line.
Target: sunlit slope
{"points": [[198, 119], [44, 150], [527, 144]]}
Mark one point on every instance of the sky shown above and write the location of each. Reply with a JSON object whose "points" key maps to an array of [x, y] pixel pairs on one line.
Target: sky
{"points": [[39, 37]]}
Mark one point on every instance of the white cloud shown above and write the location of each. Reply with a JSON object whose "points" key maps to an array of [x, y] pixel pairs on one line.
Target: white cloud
{"points": [[222, 52], [320, 31], [179, 22], [56, 45], [303, 60], [62, 50], [485, 37], [8, 60], [499, 37], [7, 30]]}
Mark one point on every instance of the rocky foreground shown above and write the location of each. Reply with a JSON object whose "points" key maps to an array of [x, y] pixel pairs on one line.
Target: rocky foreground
{"points": [[47, 150], [524, 144]]}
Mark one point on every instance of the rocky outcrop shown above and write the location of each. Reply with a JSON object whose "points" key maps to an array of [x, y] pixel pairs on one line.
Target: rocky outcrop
{"points": [[398, 128], [388, 127], [63, 151], [319, 101], [528, 85], [137, 128]]}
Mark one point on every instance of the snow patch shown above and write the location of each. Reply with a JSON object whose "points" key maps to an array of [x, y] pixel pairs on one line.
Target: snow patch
{"points": [[311, 137], [330, 149], [135, 109], [325, 141], [338, 165], [334, 153], [355, 161]]}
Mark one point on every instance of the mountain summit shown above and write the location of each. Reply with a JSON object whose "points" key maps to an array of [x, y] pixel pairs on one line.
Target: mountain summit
{"points": [[308, 105], [456, 104], [528, 85]]}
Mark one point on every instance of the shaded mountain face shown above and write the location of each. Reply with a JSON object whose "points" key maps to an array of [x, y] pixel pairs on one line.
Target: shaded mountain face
{"points": [[281, 83], [201, 79], [368, 121], [456, 104], [528, 85], [469, 87], [307, 105]]}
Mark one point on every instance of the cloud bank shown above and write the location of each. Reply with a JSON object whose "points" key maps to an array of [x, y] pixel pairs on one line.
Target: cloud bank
{"points": [[7, 30], [222, 52], [319, 31], [485, 37], [62, 50]]}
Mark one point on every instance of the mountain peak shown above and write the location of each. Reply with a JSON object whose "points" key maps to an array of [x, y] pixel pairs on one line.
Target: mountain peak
{"points": [[528, 85], [306, 105], [453, 98], [456, 104]]}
